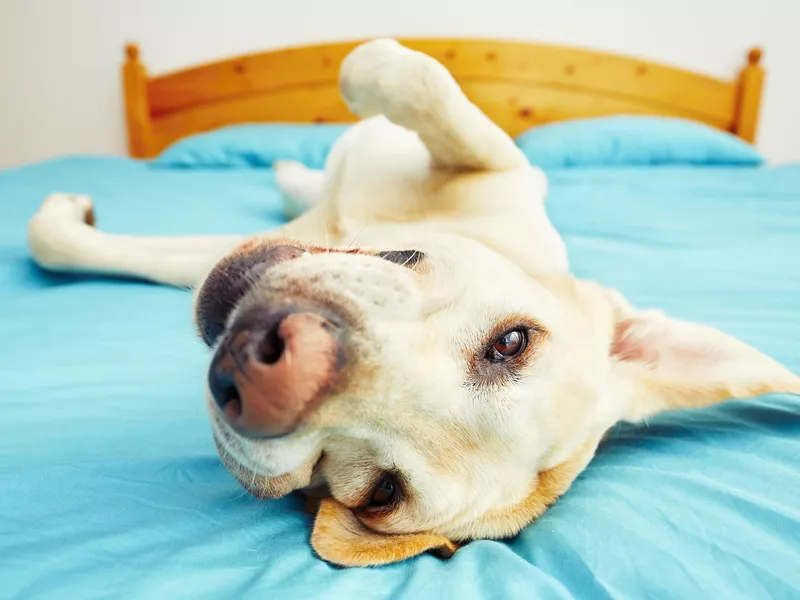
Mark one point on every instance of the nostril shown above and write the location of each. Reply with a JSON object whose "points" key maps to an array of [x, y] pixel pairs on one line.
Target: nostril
{"points": [[260, 392], [232, 403], [224, 391], [271, 347]]}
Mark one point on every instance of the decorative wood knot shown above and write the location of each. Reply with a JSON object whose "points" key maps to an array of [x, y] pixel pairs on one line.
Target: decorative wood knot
{"points": [[238, 68], [570, 69], [754, 56], [319, 119], [326, 61], [450, 54], [491, 56], [641, 70], [525, 113], [132, 52]]}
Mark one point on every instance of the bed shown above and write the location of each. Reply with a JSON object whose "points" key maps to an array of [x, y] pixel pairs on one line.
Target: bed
{"points": [[110, 485]]}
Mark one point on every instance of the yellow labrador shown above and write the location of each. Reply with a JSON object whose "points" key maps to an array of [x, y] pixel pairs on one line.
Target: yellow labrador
{"points": [[412, 350]]}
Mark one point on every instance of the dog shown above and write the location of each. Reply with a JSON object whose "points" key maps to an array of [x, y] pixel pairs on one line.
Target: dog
{"points": [[412, 350]]}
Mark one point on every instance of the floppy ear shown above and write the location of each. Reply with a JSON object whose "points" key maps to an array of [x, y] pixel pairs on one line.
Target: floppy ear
{"points": [[340, 538], [662, 364]]}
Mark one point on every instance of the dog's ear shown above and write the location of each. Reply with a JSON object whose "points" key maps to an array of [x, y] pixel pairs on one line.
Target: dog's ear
{"points": [[660, 363], [340, 538]]}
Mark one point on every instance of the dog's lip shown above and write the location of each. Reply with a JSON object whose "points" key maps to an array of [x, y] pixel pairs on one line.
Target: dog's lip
{"points": [[256, 482], [247, 477], [232, 278], [247, 278], [232, 442], [236, 461]]}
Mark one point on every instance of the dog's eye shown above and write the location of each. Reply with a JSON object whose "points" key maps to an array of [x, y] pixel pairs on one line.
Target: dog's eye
{"points": [[404, 258], [508, 345], [385, 492]]}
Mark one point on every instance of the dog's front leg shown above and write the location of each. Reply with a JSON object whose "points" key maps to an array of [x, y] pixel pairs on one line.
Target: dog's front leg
{"points": [[416, 92], [62, 237]]}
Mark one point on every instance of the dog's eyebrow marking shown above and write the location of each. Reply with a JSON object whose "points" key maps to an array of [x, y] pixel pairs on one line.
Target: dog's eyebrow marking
{"points": [[404, 258]]}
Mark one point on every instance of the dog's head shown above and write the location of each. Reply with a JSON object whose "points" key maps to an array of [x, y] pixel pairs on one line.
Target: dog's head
{"points": [[436, 394]]}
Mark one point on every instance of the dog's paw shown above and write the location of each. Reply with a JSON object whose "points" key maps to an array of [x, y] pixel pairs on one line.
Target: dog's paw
{"points": [[288, 170], [66, 209], [57, 226], [384, 77], [362, 72]]}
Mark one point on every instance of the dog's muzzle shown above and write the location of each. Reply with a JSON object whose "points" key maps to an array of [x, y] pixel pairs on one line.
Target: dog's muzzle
{"points": [[279, 360], [274, 364]]}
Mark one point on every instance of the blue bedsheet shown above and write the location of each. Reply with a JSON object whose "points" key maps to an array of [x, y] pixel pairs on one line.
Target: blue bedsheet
{"points": [[110, 485]]}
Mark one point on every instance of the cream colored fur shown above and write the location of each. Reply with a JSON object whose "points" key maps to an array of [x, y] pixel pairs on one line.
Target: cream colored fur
{"points": [[426, 170]]}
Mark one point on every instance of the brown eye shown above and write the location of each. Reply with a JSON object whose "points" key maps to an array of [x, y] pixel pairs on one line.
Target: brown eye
{"points": [[508, 345], [385, 492]]}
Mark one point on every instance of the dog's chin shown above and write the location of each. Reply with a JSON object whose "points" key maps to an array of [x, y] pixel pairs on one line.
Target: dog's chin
{"points": [[265, 486], [256, 484]]}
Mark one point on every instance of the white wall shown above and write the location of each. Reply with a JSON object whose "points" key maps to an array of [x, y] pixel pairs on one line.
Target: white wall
{"points": [[59, 59]]}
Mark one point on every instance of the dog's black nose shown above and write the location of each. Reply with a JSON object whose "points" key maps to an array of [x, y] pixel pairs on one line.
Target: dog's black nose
{"points": [[230, 279], [274, 367]]}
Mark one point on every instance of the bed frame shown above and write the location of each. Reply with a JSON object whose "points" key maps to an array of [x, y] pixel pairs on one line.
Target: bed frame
{"points": [[516, 84]]}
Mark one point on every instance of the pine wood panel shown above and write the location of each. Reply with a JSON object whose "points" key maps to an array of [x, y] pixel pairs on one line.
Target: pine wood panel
{"points": [[749, 97], [513, 107], [302, 104], [515, 84]]}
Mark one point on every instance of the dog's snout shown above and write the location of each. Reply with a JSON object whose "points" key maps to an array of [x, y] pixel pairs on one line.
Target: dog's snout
{"points": [[274, 368], [230, 279]]}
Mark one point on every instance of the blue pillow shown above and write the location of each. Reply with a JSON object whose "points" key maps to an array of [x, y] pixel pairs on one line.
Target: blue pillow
{"points": [[256, 145], [632, 141]]}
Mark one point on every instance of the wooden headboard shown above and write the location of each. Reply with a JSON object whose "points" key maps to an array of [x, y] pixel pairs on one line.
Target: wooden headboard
{"points": [[516, 84]]}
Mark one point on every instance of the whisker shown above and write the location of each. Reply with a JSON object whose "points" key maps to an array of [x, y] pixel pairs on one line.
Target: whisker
{"points": [[235, 498], [355, 239], [235, 356], [250, 277], [411, 256], [253, 481]]}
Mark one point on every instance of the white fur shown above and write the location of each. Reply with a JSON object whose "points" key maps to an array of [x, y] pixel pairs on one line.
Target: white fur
{"points": [[427, 170]]}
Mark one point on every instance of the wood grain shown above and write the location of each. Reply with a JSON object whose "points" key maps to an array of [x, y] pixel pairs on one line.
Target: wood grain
{"points": [[515, 84], [751, 83]]}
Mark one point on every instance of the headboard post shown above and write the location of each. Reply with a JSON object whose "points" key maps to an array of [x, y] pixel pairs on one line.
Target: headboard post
{"points": [[751, 82], [137, 106]]}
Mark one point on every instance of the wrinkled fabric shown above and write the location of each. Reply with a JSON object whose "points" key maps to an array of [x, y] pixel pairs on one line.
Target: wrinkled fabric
{"points": [[110, 485]]}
